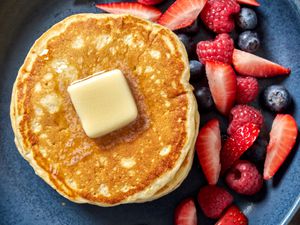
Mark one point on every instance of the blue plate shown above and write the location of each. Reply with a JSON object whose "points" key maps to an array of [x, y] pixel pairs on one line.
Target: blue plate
{"points": [[25, 199]]}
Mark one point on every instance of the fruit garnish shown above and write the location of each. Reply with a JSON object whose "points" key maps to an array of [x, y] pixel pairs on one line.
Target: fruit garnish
{"points": [[196, 69], [220, 49], [242, 114], [222, 84], [277, 98], [249, 2], [214, 200], [246, 19], [150, 2], [282, 140], [185, 213], [233, 216], [217, 15], [244, 178], [248, 64], [182, 13], [133, 8], [249, 41], [247, 89], [187, 42], [239, 142], [208, 148], [204, 98]]}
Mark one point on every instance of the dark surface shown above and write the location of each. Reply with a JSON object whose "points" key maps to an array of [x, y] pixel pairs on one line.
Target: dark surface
{"points": [[25, 199]]}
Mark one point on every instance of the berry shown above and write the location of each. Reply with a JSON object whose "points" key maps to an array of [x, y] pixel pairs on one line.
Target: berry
{"points": [[204, 98], [249, 41], [248, 64], [196, 69], [208, 148], [222, 84], [186, 42], [244, 178], [221, 49], [217, 15], [282, 139], [277, 98], [257, 153], [214, 200], [133, 8], [247, 89], [239, 142], [233, 216], [192, 29], [246, 19], [181, 13], [242, 114], [185, 213], [150, 2]]}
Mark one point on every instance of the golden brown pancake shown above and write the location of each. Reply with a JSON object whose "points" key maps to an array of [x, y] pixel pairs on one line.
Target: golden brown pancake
{"points": [[127, 165]]}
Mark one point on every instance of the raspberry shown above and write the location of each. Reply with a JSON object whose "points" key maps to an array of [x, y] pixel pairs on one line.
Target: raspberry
{"points": [[242, 114], [247, 89], [244, 178], [214, 200], [217, 15], [221, 49]]}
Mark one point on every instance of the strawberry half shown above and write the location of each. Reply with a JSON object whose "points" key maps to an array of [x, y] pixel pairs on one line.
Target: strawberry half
{"points": [[182, 13], [249, 2], [248, 64], [222, 84], [133, 8], [185, 213], [241, 140], [282, 139], [208, 148], [233, 216], [150, 2]]}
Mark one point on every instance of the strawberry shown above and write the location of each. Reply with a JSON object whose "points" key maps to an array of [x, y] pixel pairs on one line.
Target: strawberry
{"points": [[217, 15], [133, 8], [150, 2], [222, 84], [208, 148], [182, 13], [251, 65], [185, 213], [282, 139], [242, 114], [249, 2], [221, 49], [214, 200], [233, 216], [247, 89], [241, 140]]}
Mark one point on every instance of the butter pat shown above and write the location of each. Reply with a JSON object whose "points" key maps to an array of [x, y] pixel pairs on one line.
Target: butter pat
{"points": [[103, 102]]}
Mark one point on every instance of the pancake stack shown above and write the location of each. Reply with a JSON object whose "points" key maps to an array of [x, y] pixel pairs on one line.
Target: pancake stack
{"points": [[140, 162]]}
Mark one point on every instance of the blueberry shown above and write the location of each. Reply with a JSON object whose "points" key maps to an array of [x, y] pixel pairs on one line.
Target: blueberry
{"points": [[257, 153], [192, 29], [249, 41], [186, 42], [204, 98], [196, 69], [247, 19], [276, 98]]}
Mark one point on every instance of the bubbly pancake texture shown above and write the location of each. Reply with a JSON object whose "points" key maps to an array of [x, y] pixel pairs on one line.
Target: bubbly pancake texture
{"points": [[132, 163]]}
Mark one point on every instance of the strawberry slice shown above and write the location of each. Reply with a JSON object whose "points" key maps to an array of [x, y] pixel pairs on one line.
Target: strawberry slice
{"points": [[241, 140], [185, 213], [251, 65], [222, 84], [249, 2], [233, 216], [150, 2], [133, 8], [208, 147], [282, 139], [182, 13]]}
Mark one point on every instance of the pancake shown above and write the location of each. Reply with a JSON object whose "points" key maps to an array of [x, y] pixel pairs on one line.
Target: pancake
{"points": [[127, 165]]}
